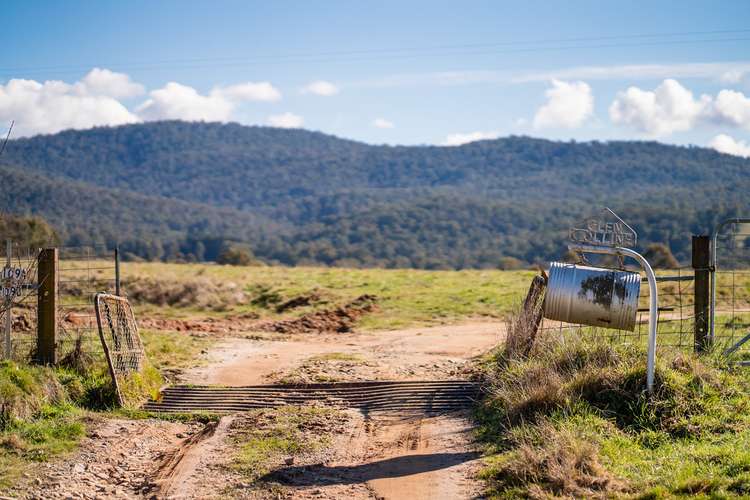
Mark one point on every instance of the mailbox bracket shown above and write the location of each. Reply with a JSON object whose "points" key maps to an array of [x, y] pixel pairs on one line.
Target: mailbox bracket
{"points": [[653, 298]]}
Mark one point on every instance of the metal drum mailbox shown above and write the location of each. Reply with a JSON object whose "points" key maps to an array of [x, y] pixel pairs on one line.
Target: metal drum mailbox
{"points": [[592, 296]]}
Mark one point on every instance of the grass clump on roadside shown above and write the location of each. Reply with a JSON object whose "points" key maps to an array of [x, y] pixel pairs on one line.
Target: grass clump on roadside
{"points": [[38, 416], [573, 419], [265, 438], [171, 351]]}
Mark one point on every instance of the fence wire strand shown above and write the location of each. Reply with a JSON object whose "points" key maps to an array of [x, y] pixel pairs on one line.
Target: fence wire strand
{"points": [[84, 271], [732, 275]]}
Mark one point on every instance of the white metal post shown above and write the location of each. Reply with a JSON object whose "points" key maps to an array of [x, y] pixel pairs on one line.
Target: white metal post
{"points": [[653, 304]]}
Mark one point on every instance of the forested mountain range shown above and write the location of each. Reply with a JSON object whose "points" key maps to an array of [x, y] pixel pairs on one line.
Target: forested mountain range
{"points": [[169, 190]]}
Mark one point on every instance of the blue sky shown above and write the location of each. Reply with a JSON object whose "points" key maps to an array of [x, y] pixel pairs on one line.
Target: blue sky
{"points": [[387, 72]]}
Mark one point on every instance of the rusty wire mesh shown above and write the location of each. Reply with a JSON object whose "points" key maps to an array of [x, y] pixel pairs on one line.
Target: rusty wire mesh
{"points": [[84, 271], [119, 332], [732, 278], [119, 335]]}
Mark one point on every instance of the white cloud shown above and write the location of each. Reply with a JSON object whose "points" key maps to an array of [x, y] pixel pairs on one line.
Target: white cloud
{"points": [[459, 139], [568, 105], [285, 120], [175, 101], [251, 91], [734, 76], [108, 83], [95, 100], [382, 123], [732, 108], [672, 108], [726, 144], [321, 87], [52, 106], [713, 71], [668, 108]]}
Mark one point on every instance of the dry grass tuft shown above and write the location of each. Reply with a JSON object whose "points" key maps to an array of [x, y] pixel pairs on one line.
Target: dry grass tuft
{"points": [[566, 464], [79, 360]]}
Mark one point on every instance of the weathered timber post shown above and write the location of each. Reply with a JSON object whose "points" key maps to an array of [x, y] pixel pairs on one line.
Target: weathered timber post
{"points": [[533, 310], [701, 268], [47, 271], [117, 270]]}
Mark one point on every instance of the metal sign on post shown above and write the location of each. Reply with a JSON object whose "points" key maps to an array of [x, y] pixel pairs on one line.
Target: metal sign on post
{"points": [[606, 234], [605, 229], [14, 281]]}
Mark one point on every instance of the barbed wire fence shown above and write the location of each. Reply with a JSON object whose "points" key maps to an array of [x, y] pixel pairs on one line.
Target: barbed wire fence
{"points": [[82, 272]]}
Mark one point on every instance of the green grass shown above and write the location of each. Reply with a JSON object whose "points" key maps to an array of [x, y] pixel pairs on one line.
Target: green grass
{"points": [[38, 416], [574, 419], [267, 436], [168, 350]]}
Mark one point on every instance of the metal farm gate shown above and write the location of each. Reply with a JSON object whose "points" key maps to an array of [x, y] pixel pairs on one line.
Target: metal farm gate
{"points": [[730, 287]]}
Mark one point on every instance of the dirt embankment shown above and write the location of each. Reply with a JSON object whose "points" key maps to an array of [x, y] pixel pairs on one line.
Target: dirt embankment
{"points": [[118, 459], [339, 320]]}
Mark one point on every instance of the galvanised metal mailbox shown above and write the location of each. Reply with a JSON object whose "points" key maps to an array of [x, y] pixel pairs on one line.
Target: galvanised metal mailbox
{"points": [[592, 296]]}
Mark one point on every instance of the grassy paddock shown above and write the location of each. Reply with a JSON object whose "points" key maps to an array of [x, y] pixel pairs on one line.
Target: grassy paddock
{"points": [[406, 296]]}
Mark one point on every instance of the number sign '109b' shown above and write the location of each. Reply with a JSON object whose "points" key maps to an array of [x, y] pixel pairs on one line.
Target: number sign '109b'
{"points": [[12, 281]]}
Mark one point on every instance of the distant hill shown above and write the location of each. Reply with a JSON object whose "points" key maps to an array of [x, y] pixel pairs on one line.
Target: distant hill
{"points": [[304, 197]]}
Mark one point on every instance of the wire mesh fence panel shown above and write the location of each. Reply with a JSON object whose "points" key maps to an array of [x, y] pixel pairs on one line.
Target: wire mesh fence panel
{"points": [[83, 272], [119, 335], [732, 287], [18, 301], [675, 321]]}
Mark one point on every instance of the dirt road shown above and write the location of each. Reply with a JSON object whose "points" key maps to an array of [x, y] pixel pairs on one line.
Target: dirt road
{"points": [[410, 354], [407, 457], [386, 456]]}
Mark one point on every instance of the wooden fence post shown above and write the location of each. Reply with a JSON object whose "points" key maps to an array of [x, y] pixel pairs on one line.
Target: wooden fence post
{"points": [[701, 268], [47, 271]]}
